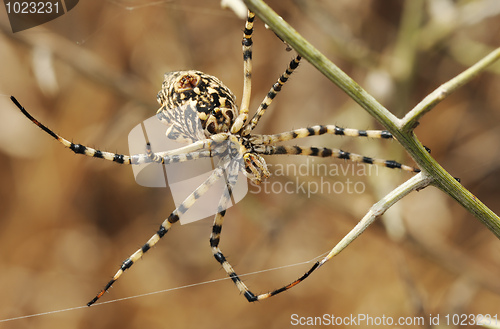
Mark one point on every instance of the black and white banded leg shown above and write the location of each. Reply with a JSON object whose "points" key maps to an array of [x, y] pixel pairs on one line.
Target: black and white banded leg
{"points": [[163, 229], [324, 152]]}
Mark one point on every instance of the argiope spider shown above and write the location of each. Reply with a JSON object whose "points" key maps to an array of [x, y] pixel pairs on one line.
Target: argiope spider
{"points": [[187, 96]]}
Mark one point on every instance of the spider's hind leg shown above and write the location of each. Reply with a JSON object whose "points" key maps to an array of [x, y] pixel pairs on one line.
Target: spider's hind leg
{"points": [[162, 158], [232, 176], [214, 244], [195, 150], [163, 229], [77, 148]]}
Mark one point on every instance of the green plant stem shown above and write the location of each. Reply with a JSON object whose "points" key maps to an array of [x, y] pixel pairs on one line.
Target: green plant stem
{"points": [[411, 118], [378, 209], [442, 179], [448, 184], [318, 60]]}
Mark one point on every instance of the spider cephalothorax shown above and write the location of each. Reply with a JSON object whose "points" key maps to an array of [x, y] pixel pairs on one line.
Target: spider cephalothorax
{"points": [[196, 105]]}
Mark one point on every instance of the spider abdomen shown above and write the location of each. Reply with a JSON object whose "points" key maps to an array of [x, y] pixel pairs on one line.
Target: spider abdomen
{"points": [[214, 102]]}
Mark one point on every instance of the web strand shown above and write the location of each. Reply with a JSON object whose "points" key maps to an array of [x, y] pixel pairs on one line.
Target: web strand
{"points": [[159, 291]]}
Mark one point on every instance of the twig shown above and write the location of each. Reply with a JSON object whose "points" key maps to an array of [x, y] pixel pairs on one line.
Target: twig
{"points": [[442, 179], [417, 182], [412, 117]]}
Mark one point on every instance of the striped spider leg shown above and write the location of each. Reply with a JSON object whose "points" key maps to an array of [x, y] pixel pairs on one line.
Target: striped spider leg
{"points": [[201, 111]]}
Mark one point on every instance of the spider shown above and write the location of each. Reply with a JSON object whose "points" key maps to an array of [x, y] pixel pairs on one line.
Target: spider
{"points": [[191, 97]]}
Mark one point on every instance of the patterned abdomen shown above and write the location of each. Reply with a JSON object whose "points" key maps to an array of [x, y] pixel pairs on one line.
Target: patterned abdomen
{"points": [[197, 92]]}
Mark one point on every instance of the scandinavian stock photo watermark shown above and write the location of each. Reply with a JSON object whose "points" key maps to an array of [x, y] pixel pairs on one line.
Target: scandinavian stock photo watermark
{"points": [[313, 177], [182, 177], [183, 173]]}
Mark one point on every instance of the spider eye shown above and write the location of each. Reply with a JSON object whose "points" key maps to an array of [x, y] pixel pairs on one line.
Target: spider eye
{"points": [[187, 82]]}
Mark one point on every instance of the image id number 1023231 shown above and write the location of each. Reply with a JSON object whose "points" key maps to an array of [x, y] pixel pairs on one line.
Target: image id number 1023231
{"points": [[32, 7]]}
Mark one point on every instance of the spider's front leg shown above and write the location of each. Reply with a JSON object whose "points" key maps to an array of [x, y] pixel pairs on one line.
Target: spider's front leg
{"points": [[247, 74], [317, 131], [167, 159]]}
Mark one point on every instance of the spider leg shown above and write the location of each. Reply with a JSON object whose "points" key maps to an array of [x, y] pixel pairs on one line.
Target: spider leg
{"points": [[186, 151], [275, 89], [284, 288], [178, 155], [319, 130], [247, 70], [162, 158], [164, 227], [214, 244], [336, 153], [232, 176]]}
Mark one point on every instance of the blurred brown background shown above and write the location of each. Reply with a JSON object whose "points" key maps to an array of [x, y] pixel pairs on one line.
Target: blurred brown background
{"points": [[68, 221]]}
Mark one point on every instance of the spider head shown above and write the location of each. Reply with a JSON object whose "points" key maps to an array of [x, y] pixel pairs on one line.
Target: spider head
{"points": [[214, 102]]}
